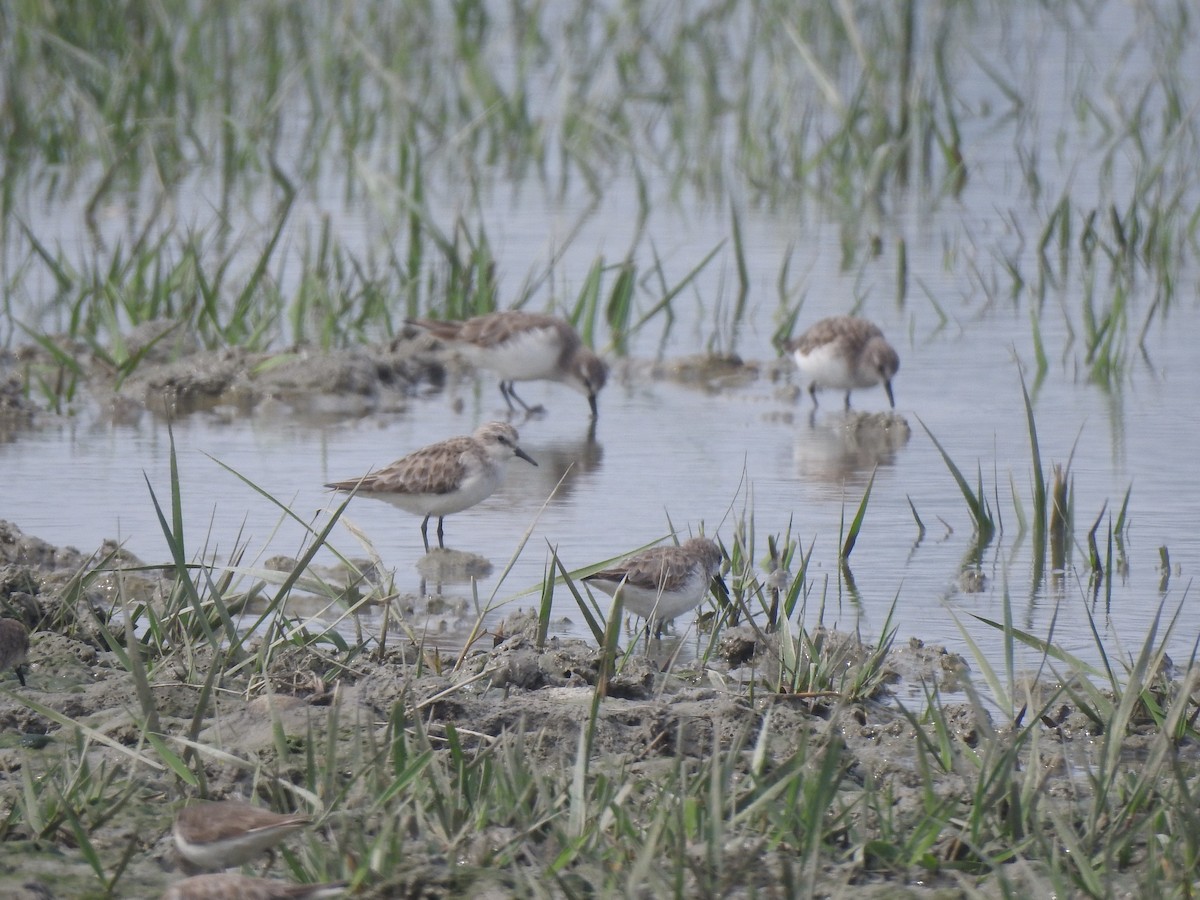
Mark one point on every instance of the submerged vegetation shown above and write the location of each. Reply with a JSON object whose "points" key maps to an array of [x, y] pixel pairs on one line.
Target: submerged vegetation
{"points": [[182, 176], [211, 166]]}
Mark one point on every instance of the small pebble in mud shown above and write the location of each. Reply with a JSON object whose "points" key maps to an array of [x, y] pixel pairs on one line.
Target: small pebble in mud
{"points": [[14, 646]]}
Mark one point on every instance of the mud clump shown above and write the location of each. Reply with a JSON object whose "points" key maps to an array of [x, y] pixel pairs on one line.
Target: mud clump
{"points": [[173, 377]]}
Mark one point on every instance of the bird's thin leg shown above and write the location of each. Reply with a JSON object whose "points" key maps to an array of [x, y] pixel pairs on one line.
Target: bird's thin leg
{"points": [[512, 392], [505, 387], [425, 532], [20, 674], [847, 401], [441, 540], [812, 392]]}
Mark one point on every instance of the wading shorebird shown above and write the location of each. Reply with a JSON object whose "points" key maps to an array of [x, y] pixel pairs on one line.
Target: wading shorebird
{"points": [[524, 346], [443, 478], [844, 353]]}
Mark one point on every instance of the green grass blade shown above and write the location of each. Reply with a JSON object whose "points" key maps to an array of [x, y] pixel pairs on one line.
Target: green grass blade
{"points": [[856, 525]]}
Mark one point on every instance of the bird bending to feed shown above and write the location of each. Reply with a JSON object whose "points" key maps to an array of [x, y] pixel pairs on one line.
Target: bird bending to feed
{"points": [[443, 478], [219, 834], [845, 352], [663, 582], [524, 346], [14, 646], [228, 886]]}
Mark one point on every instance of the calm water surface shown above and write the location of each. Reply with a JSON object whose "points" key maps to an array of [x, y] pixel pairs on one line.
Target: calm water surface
{"points": [[663, 451]]}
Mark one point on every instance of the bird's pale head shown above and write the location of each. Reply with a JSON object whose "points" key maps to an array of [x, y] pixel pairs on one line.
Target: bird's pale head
{"points": [[706, 551], [499, 440], [881, 358], [589, 375]]}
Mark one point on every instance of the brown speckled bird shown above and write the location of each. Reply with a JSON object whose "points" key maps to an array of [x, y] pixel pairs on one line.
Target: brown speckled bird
{"points": [[524, 346], [845, 352], [443, 478], [14, 646]]}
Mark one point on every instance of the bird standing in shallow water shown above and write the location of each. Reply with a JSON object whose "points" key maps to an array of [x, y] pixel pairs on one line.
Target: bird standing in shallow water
{"points": [[524, 346], [664, 582], [845, 352], [443, 478]]}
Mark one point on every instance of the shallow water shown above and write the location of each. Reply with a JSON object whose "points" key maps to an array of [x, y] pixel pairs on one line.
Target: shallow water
{"points": [[665, 452]]}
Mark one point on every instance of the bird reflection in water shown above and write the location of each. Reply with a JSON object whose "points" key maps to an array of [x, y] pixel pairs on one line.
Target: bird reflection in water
{"points": [[844, 448]]}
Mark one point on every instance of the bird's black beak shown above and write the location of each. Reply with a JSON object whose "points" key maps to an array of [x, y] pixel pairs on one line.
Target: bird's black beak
{"points": [[525, 456], [887, 386], [720, 590]]}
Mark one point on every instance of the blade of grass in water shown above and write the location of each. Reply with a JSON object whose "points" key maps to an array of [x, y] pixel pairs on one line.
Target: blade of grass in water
{"points": [[546, 604], [619, 309], [1040, 517], [587, 304], [856, 525], [173, 533], [743, 270], [976, 503], [592, 618], [916, 518], [674, 291]]}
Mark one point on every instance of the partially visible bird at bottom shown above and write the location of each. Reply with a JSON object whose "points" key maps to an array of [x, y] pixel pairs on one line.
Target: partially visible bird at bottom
{"points": [[230, 886], [211, 835]]}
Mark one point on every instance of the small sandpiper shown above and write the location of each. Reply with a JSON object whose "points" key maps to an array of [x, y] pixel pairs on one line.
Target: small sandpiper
{"points": [[14, 646], [524, 346], [228, 886], [219, 834], [845, 352], [443, 478], [663, 582]]}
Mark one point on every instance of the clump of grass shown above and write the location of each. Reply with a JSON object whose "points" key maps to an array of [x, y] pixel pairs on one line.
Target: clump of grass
{"points": [[826, 669], [1060, 519]]}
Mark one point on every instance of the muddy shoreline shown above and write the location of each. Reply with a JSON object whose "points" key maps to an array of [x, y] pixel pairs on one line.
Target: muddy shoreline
{"points": [[502, 686]]}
